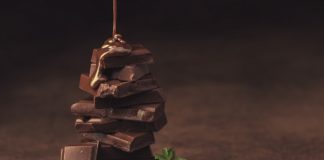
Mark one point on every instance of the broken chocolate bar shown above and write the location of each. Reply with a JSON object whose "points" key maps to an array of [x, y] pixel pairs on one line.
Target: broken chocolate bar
{"points": [[130, 72], [112, 48], [126, 141], [154, 96], [96, 53], [118, 89], [107, 151], [138, 55], [137, 50], [115, 88], [107, 125], [126, 73], [79, 152], [92, 70], [85, 84], [143, 113], [86, 108], [95, 150]]}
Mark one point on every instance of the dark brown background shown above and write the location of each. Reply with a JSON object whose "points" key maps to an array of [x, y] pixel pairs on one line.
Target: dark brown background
{"points": [[244, 79]]}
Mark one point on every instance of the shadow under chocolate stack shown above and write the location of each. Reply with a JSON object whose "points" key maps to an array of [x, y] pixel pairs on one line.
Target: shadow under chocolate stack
{"points": [[124, 108]]}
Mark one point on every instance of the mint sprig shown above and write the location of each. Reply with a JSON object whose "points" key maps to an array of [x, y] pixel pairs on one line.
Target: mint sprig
{"points": [[168, 154]]}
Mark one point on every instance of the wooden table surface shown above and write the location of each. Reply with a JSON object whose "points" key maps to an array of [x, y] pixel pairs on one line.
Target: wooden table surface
{"points": [[229, 98]]}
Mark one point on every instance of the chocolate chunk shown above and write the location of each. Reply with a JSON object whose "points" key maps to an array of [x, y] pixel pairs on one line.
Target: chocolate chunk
{"points": [[96, 53], [93, 68], [107, 151], [115, 88], [107, 125], [137, 50], [125, 141], [126, 73], [86, 108], [110, 49], [115, 62], [96, 125], [120, 89], [79, 152], [154, 96], [85, 84], [95, 150], [130, 72], [138, 55], [159, 123], [142, 113]]}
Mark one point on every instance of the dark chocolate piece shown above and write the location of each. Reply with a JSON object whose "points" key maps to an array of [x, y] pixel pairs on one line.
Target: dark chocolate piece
{"points": [[118, 89], [154, 96], [85, 84], [159, 122], [95, 150], [86, 108], [96, 53], [138, 55], [143, 113], [137, 50], [79, 152], [130, 72], [126, 141], [107, 125], [127, 73], [108, 152], [114, 47], [92, 70]]}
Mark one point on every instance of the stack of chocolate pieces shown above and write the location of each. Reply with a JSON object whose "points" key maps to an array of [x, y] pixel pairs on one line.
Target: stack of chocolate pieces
{"points": [[125, 106]]}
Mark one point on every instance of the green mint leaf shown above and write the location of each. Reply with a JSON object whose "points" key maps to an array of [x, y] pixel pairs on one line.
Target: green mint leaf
{"points": [[165, 152], [168, 154], [159, 157], [171, 154]]}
